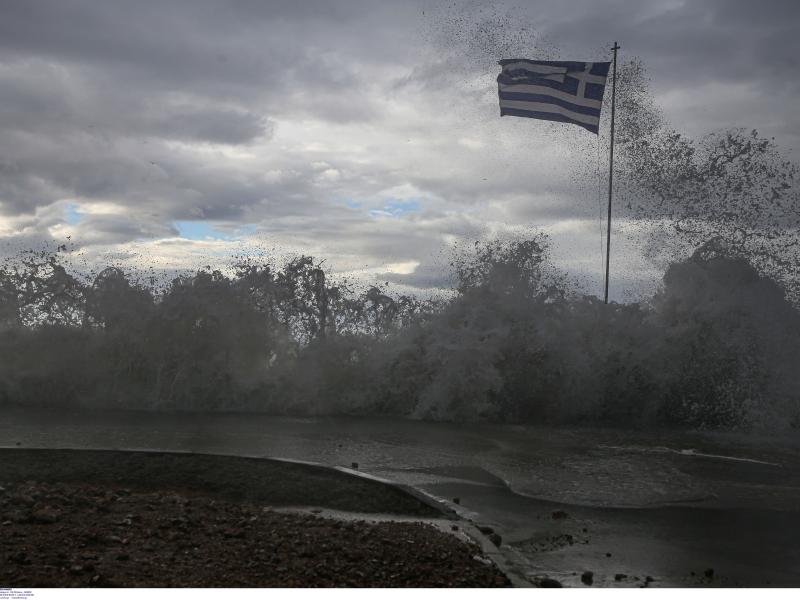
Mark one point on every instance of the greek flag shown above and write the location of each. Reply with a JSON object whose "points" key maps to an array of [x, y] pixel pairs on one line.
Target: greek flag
{"points": [[564, 91]]}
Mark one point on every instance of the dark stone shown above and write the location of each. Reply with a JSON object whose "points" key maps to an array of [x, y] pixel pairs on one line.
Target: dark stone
{"points": [[354, 465], [495, 539], [620, 577], [549, 583], [608, 554], [559, 514], [456, 500], [485, 530], [22, 499], [454, 527], [709, 573], [46, 515], [587, 578]]}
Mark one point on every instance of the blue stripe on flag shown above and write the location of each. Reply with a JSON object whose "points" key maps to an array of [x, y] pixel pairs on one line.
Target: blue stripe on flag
{"points": [[571, 65], [545, 116], [570, 85], [586, 110]]}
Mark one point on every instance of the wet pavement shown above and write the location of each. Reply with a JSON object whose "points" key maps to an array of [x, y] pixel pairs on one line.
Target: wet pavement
{"points": [[633, 508]]}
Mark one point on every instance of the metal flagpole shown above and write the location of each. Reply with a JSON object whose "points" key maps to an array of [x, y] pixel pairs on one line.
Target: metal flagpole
{"points": [[611, 166]]}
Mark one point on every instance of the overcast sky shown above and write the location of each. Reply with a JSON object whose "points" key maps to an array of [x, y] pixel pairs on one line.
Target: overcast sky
{"points": [[364, 133]]}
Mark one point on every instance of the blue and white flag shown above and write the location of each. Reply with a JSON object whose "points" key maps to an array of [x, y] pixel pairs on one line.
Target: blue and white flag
{"points": [[565, 91]]}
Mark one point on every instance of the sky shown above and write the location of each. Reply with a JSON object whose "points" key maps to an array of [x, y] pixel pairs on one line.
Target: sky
{"points": [[182, 133]]}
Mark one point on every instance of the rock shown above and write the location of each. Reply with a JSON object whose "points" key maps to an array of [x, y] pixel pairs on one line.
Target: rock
{"points": [[620, 577], [453, 527], [495, 539], [559, 514], [23, 499], [456, 500], [354, 465], [608, 554], [547, 582], [709, 573], [485, 530], [587, 578], [648, 580], [46, 515], [18, 516]]}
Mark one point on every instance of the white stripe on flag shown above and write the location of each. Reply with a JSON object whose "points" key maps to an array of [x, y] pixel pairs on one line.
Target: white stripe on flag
{"points": [[549, 108], [542, 69], [524, 88], [549, 70]]}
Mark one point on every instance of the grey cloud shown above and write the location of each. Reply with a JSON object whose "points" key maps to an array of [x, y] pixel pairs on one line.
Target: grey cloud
{"points": [[126, 103], [116, 229]]}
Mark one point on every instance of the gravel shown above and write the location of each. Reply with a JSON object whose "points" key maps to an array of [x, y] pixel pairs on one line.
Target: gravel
{"points": [[68, 534]]}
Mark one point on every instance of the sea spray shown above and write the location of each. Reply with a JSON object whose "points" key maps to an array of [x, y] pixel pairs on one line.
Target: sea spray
{"points": [[715, 348]]}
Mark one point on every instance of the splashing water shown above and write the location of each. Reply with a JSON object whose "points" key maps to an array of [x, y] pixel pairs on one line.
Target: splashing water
{"points": [[716, 347]]}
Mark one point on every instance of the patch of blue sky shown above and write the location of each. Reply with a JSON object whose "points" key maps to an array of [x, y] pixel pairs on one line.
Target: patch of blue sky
{"points": [[204, 230], [73, 215], [200, 230], [397, 208]]}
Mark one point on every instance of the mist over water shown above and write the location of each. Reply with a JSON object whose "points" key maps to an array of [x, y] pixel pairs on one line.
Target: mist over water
{"points": [[716, 347]]}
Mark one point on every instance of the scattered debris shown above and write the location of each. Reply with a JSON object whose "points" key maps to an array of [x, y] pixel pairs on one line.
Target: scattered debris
{"points": [[197, 541]]}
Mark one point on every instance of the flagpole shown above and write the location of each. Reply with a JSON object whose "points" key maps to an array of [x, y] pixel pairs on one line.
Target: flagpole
{"points": [[611, 166]]}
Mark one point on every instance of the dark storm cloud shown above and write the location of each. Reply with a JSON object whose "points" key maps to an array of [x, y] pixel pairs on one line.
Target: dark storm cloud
{"points": [[280, 113], [79, 80]]}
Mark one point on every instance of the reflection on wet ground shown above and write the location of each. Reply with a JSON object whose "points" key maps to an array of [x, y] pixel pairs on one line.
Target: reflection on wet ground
{"points": [[680, 508]]}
